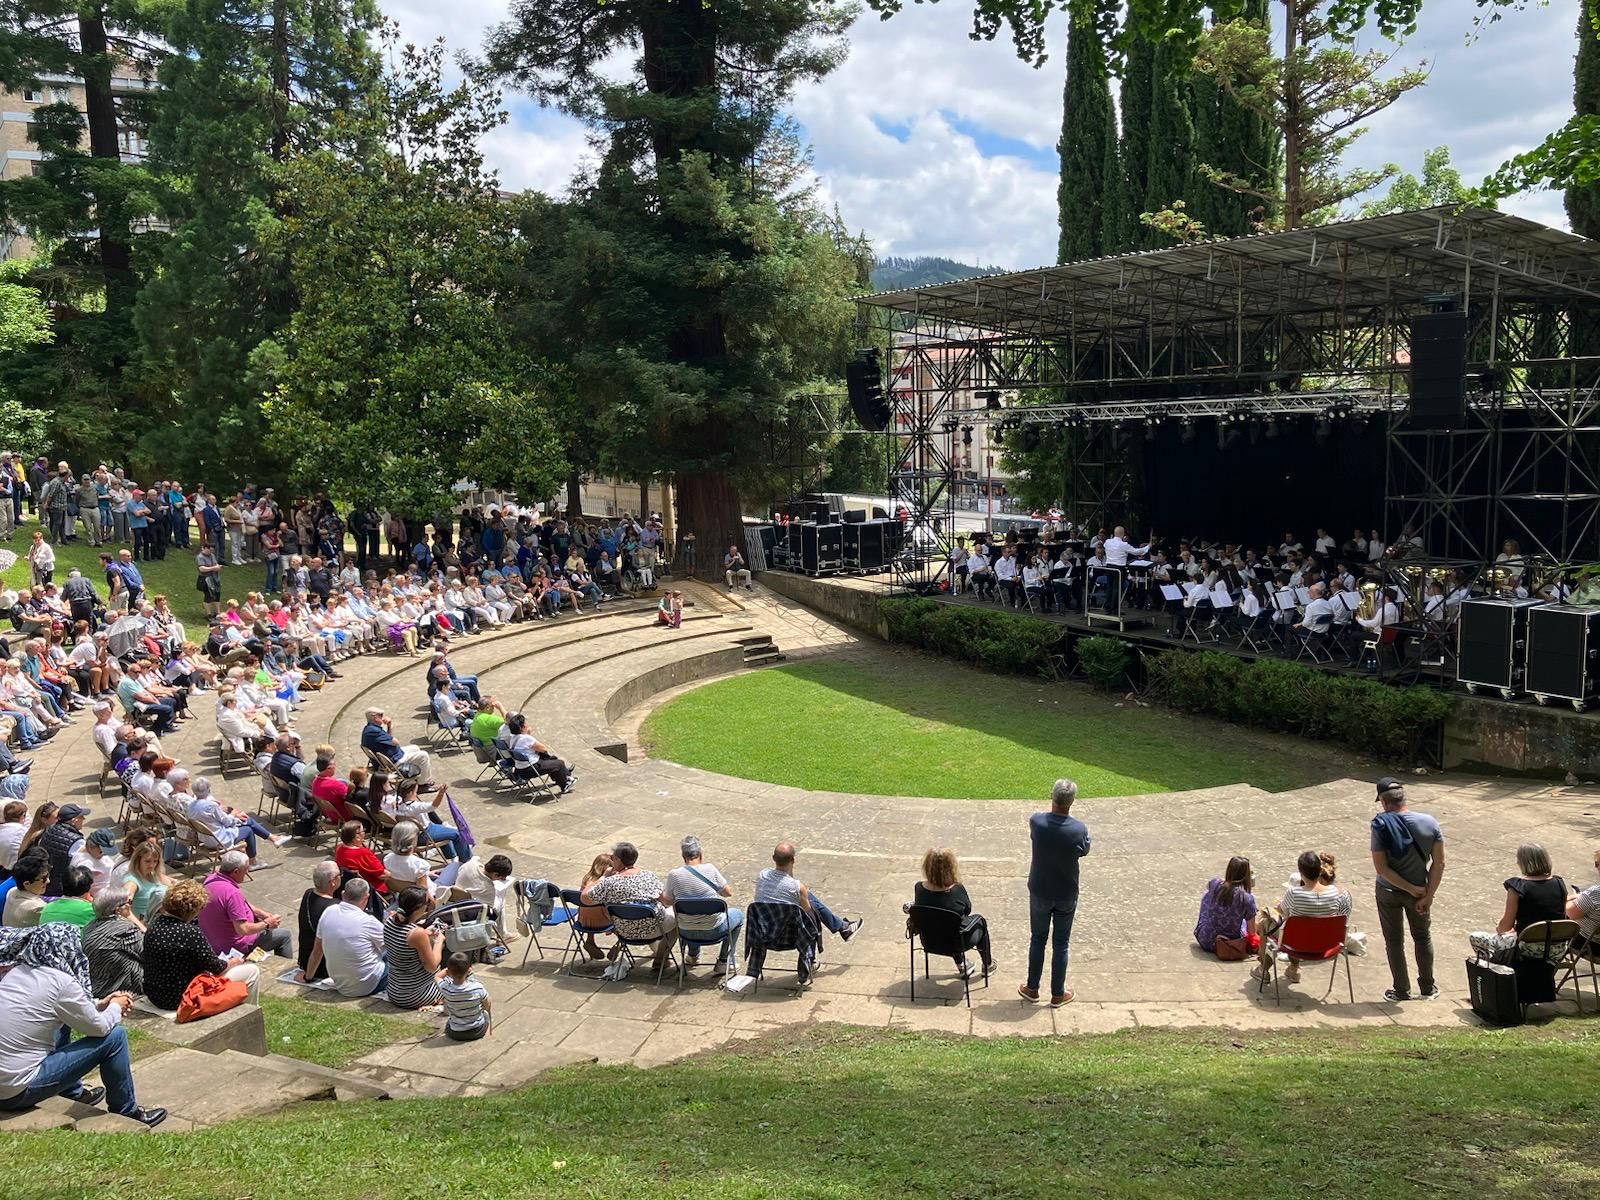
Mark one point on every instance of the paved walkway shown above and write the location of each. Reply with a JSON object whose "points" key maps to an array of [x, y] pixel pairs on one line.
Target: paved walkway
{"points": [[1133, 960]]}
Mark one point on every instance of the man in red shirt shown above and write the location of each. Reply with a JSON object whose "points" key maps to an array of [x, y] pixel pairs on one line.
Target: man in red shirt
{"points": [[329, 789], [353, 855]]}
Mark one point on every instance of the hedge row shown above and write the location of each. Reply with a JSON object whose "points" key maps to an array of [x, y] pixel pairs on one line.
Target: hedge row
{"points": [[1390, 722], [985, 637]]}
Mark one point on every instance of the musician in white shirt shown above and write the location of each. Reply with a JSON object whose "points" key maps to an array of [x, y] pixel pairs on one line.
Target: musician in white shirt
{"points": [[1289, 545], [1435, 610], [1033, 579], [1005, 571], [979, 573], [958, 568], [1388, 613], [1061, 579], [1510, 559], [1375, 547], [1318, 612], [1336, 597], [1324, 543]]}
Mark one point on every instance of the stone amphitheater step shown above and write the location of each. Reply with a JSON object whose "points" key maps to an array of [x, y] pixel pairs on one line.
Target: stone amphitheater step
{"points": [[185, 1083], [346, 1086]]}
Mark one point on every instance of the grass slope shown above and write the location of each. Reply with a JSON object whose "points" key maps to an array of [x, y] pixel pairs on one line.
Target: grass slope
{"points": [[839, 1113], [902, 724], [329, 1033], [173, 575]]}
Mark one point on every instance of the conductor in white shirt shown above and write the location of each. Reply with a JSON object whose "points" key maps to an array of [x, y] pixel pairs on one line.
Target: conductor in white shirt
{"points": [[1118, 551]]}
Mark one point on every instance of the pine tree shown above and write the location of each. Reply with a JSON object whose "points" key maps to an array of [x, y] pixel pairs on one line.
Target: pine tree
{"points": [[1583, 199], [253, 82], [1088, 145], [1137, 98], [1246, 147], [1171, 136]]}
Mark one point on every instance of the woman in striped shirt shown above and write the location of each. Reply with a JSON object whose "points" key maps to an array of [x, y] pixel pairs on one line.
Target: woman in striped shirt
{"points": [[413, 952], [1312, 892]]}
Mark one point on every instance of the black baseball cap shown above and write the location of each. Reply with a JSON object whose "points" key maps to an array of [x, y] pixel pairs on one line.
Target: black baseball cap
{"points": [[1389, 784]]}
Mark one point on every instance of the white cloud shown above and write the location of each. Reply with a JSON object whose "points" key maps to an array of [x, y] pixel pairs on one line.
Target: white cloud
{"points": [[972, 174]]}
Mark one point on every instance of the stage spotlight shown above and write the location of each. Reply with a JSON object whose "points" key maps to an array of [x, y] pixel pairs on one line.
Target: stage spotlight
{"points": [[966, 435], [1272, 427], [1188, 430], [951, 425], [990, 398]]}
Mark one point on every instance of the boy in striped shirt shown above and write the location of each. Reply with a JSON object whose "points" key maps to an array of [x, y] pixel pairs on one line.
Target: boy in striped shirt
{"points": [[466, 1002]]}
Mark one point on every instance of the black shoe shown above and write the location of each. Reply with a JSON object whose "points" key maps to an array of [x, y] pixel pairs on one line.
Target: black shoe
{"points": [[1394, 997], [1431, 994], [89, 1095], [148, 1117], [21, 766], [849, 930]]}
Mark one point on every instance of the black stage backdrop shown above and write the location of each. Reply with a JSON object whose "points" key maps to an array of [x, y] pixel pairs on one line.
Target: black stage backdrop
{"points": [[1256, 489]]}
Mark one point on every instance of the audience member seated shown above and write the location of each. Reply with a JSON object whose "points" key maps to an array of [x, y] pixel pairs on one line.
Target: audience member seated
{"points": [[176, 950], [486, 881], [778, 884], [327, 788], [1228, 908], [47, 995], [403, 804], [413, 951], [75, 905], [223, 825], [591, 917], [700, 880], [60, 841], [1312, 892], [1532, 896], [314, 901], [232, 923], [403, 866], [356, 858], [1584, 908], [114, 944], [534, 757], [146, 881], [96, 855], [412, 761], [941, 887], [25, 901], [347, 945], [625, 883], [449, 711], [486, 723]]}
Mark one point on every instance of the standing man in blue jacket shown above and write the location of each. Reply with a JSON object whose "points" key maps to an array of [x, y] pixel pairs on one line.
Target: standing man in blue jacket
{"points": [[1059, 841]]}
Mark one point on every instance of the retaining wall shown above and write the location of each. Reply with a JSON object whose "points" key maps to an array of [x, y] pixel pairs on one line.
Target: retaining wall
{"points": [[853, 606]]}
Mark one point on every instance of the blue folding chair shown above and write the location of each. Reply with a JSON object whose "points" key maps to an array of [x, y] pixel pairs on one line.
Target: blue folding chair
{"points": [[572, 901], [699, 919], [531, 913], [640, 914]]}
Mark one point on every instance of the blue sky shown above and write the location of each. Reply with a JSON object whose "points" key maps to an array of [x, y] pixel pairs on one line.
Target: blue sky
{"points": [[935, 144]]}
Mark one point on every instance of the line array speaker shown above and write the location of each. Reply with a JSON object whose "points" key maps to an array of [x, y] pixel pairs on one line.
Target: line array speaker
{"points": [[1439, 371]]}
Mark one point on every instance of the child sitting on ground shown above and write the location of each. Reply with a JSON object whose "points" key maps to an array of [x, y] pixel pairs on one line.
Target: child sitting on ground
{"points": [[466, 1002]]}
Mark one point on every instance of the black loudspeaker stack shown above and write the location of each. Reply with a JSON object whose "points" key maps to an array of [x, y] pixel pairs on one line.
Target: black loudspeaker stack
{"points": [[1439, 371], [871, 545], [821, 548], [1492, 644], [1563, 652], [863, 377]]}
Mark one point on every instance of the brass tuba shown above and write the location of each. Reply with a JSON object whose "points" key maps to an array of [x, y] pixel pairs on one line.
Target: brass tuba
{"points": [[1368, 608]]}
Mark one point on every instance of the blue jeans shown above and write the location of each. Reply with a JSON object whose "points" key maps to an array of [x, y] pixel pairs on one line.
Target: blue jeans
{"points": [[465, 686], [453, 844], [1049, 920], [825, 914], [27, 730], [272, 573], [62, 1071], [728, 930], [250, 831]]}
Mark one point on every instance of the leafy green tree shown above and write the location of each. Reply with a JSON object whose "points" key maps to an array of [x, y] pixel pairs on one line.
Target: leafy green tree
{"points": [[394, 378], [1440, 184], [714, 284], [1170, 132], [252, 82], [1138, 100], [1088, 146], [1244, 146], [1583, 198]]}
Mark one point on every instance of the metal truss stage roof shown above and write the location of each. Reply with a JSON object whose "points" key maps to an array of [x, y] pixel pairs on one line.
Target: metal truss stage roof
{"points": [[1406, 259]]}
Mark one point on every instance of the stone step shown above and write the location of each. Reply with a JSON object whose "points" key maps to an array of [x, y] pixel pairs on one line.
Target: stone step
{"points": [[763, 660], [346, 1085], [199, 1088]]}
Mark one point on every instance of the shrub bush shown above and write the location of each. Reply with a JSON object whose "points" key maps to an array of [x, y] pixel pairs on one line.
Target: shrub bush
{"points": [[996, 641], [1392, 722], [1105, 661]]}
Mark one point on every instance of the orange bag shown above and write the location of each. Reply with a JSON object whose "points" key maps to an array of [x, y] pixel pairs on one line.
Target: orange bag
{"points": [[208, 995]]}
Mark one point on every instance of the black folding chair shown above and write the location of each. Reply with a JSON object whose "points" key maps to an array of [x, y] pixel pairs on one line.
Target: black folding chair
{"points": [[938, 931]]}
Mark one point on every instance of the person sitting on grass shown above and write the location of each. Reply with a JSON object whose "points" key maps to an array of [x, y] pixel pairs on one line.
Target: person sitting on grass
{"points": [[466, 1001], [47, 994], [1228, 907], [941, 887], [1311, 893]]}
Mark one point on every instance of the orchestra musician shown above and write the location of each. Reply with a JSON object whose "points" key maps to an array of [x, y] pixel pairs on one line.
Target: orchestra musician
{"points": [[978, 572], [1388, 613], [1005, 573]]}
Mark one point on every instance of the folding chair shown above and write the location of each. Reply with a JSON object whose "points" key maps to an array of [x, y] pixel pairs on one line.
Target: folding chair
{"points": [[572, 901], [699, 921], [1309, 940], [1315, 642], [194, 837], [1543, 948], [530, 912], [937, 931], [1581, 954], [641, 914], [803, 934], [270, 800], [231, 753], [1256, 632], [486, 756]]}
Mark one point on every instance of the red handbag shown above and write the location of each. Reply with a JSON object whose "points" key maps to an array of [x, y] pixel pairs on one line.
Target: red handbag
{"points": [[208, 995]]}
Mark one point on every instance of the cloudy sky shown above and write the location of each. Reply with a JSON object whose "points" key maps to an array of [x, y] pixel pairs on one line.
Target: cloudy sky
{"points": [[935, 144]]}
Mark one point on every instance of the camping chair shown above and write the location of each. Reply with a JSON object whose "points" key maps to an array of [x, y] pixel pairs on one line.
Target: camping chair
{"points": [[702, 921], [1543, 948], [531, 914], [939, 931], [1582, 954], [1310, 940], [572, 901], [779, 925], [642, 914]]}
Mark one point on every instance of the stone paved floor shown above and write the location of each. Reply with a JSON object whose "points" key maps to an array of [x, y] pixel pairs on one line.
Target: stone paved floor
{"points": [[1133, 961]]}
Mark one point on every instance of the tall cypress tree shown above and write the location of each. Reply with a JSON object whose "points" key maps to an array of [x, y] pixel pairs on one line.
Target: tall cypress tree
{"points": [[1088, 146], [1204, 202], [1137, 95], [1246, 146], [1170, 133], [1583, 200]]}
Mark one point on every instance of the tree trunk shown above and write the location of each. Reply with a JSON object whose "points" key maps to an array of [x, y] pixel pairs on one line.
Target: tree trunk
{"points": [[116, 253], [574, 495], [708, 507], [644, 499], [280, 80], [1292, 192]]}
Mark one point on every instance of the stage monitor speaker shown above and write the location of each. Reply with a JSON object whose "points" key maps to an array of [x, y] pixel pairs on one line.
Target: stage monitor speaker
{"points": [[1492, 643], [854, 516], [821, 548], [870, 545], [1563, 650], [864, 382], [1439, 371]]}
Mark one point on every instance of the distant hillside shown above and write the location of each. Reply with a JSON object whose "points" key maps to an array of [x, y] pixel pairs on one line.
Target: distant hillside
{"points": [[891, 274]]}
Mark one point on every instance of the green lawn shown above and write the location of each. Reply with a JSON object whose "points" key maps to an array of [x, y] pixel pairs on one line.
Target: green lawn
{"points": [[330, 1033], [174, 575], [899, 723], [834, 1114]]}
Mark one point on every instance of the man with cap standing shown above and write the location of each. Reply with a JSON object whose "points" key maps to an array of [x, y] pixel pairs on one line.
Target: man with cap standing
{"points": [[1408, 855], [80, 596]]}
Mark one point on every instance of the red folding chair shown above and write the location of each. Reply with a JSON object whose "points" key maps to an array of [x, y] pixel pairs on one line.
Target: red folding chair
{"points": [[1310, 940]]}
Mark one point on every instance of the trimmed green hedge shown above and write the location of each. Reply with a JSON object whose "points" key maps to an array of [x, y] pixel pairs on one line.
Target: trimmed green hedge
{"points": [[1391, 722], [988, 638], [1105, 660]]}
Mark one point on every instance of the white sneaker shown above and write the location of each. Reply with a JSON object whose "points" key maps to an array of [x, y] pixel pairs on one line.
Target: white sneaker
{"points": [[280, 839]]}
